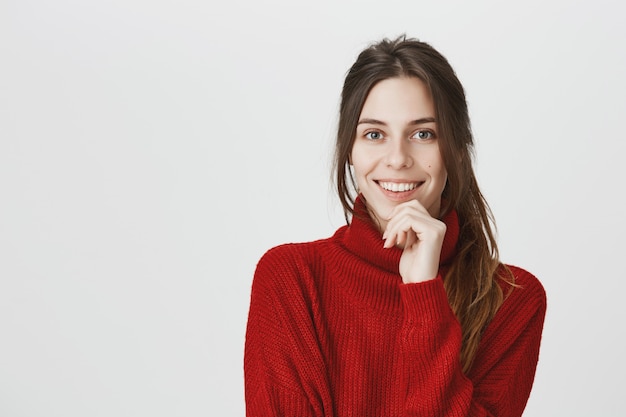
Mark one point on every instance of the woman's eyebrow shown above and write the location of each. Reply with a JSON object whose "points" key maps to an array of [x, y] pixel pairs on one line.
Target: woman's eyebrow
{"points": [[423, 120], [414, 122]]}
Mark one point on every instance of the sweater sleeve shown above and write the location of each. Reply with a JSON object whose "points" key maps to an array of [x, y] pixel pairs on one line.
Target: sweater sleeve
{"points": [[283, 369], [502, 374]]}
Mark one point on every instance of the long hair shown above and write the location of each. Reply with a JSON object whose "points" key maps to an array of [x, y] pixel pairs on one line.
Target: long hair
{"points": [[471, 281]]}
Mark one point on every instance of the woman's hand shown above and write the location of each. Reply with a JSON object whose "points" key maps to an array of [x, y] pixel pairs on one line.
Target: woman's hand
{"points": [[412, 228]]}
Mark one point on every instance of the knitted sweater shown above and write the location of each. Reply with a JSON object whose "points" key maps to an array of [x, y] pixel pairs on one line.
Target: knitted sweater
{"points": [[333, 331]]}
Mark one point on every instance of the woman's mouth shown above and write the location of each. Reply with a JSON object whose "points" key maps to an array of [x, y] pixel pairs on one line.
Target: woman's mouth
{"points": [[398, 187]]}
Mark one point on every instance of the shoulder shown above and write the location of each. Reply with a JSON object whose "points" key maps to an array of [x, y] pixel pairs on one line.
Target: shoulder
{"points": [[288, 256], [523, 310], [527, 280], [285, 287], [289, 265], [526, 289]]}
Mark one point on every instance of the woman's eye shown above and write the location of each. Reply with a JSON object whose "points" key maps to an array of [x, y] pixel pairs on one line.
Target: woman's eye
{"points": [[424, 135], [374, 135]]}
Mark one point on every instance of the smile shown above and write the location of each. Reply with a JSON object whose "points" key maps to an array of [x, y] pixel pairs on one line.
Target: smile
{"points": [[399, 187]]}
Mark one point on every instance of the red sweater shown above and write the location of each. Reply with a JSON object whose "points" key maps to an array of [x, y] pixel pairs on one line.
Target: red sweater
{"points": [[333, 331]]}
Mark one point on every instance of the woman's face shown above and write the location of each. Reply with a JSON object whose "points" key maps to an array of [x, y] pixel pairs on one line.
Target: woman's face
{"points": [[396, 155]]}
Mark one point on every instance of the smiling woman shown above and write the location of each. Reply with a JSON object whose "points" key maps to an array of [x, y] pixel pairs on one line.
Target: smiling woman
{"points": [[407, 310], [395, 154]]}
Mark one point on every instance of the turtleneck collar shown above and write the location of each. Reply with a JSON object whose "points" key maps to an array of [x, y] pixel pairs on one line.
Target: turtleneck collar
{"points": [[364, 240]]}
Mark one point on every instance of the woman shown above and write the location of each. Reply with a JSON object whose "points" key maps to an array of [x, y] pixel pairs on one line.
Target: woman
{"points": [[407, 310]]}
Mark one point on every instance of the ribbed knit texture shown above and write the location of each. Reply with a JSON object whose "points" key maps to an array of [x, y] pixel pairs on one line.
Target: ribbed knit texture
{"points": [[333, 331]]}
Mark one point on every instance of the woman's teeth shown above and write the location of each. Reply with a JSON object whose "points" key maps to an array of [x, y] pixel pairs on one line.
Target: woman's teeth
{"points": [[398, 186]]}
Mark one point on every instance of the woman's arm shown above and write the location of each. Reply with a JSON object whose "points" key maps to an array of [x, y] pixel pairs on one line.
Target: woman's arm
{"points": [[502, 374], [284, 371], [501, 377]]}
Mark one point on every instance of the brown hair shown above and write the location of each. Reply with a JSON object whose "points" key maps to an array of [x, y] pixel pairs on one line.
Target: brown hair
{"points": [[470, 282]]}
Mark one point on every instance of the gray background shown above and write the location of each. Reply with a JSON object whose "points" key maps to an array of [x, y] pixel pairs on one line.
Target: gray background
{"points": [[151, 151]]}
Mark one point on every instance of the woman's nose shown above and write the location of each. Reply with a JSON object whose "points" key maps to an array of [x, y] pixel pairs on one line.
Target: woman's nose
{"points": [[398, 154]]}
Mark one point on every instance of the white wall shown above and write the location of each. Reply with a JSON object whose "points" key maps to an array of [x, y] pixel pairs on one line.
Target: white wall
{"points": [[151, 151]]}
